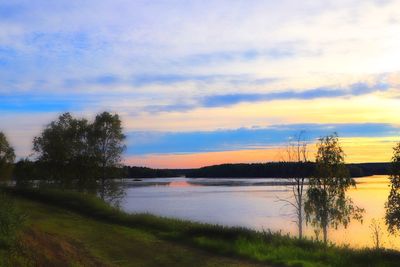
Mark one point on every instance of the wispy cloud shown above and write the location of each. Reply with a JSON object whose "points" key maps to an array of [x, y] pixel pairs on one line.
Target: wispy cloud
{"points": [[279, 51], [246, 138], [321, 92], [76, 100], [146, 79]]}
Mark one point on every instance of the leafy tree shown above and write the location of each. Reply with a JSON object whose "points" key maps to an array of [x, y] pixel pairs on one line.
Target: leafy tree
{"points": [[64, 149], [75, 152], [7, 157], [392, 216], [327, 204], [25, 171], [107, 140]]}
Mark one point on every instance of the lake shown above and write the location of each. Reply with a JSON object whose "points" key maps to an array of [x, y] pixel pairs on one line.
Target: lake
{"points": [[253, 203]]}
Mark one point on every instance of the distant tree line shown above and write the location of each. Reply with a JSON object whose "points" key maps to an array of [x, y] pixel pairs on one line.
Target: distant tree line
{"points": [[282, 170], [144, 172], [27, 170]]}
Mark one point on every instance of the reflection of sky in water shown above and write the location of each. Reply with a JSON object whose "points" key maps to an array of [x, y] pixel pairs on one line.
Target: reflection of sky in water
{"points": [[249, 205]]}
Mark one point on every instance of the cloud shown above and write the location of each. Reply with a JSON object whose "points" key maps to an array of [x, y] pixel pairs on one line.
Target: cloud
{"points": [[279, 51], [147, 79], [224, 100], [321, 92], [171, 79], [142, 143], [163, 102]]}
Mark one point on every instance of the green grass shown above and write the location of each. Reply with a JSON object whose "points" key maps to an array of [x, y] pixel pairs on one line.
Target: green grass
{"points": [[110, 236], [54, 236]]}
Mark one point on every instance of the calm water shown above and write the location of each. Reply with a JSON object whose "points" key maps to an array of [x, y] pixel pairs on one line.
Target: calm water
{"points": [[253, 203]]}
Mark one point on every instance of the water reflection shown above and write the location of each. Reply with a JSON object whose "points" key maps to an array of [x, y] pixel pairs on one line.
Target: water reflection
{"points": [[253, 203], [111, 190], [179, 184]]}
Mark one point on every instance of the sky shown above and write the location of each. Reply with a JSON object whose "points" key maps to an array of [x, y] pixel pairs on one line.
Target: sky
{"points": [[206, 82]]}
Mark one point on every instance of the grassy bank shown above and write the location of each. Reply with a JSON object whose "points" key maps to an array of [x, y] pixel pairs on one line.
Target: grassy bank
{"points": [[108, 236], [55, 237]]}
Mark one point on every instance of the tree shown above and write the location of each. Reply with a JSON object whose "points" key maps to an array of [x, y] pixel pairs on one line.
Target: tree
{"points": [[24, 172], [376, 233], [297, 152], [107, 140], [327, 204], [392, 206], [63, 148], [77, 153], [7, 157], [10, 219]]}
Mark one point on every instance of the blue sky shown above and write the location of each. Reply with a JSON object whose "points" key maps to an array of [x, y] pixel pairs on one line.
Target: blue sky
{"points": [[198, 76], [244, 138]]}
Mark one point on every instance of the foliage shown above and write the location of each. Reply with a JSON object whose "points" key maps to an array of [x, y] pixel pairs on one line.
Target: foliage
{"points": [[64, 150], [11, 221], [7, 157], [392, 216], [75, 153], [10, 218], [107, 143], [107, 140], [327, 204]]}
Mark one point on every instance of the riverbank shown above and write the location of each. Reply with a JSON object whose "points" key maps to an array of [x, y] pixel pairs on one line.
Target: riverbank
{"points": [[91, 233]]}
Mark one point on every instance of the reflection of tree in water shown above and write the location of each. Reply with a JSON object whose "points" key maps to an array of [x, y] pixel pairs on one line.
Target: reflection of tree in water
{"points": [[112, 191]]}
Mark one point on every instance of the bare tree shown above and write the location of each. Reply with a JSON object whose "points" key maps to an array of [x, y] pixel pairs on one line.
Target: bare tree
{"points": [[296, 153], [376, 233]]}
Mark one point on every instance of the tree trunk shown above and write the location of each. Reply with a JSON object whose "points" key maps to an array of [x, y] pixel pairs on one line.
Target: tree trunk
{"points": [[102, 189], [325, 232], [103, 181], [300, 220]]}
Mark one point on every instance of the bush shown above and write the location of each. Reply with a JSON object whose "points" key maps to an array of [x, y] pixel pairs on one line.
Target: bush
{"points": [[11, 221]]}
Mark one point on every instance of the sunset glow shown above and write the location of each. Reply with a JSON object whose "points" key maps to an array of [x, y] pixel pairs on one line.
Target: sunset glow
{"points": [[358, 150]]}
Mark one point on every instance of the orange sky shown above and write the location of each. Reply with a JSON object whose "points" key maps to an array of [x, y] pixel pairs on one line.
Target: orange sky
{"points": [[357, 150]]}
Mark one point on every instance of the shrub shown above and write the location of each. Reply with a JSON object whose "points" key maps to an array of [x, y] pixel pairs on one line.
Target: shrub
{"points": [[11, 220]]}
